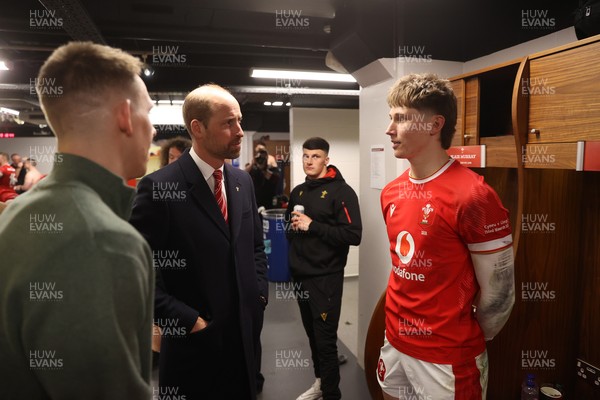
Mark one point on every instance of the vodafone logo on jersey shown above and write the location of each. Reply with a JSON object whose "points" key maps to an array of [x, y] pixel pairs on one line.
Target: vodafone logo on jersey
{"points": [[405, 250], [405, 247]]}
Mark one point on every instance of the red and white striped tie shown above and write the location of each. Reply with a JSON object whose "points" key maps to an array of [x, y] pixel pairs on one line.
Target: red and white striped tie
{"points": [[218, 174]]}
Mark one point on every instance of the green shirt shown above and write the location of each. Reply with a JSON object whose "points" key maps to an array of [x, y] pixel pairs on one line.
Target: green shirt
{"points": [[76, 289]]}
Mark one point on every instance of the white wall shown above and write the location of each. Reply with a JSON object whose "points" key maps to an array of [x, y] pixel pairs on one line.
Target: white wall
{"points": [[340, 129], [246, 153], [40, 148]]}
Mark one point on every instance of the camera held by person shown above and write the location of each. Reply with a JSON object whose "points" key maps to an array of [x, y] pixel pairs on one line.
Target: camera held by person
{"points": [[265, 176], [261, 159], [261, 162]]}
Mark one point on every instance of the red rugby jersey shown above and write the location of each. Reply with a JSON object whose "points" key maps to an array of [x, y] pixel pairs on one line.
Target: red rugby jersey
{"points": [[433, 225], [6, 170]]}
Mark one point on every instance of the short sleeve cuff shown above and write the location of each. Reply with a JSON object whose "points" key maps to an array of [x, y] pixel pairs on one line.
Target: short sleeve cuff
{"points": [[491, 246]]}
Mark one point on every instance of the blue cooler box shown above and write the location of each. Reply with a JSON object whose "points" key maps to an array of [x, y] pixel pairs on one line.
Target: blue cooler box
{"points": [[276, 244]]}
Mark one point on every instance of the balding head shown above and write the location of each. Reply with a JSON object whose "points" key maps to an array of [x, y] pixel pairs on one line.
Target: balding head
{"points": [[213, 119], [200, 103]]}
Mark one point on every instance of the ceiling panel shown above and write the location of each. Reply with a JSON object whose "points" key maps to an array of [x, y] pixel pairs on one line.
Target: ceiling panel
{"points": [[223, 39]]}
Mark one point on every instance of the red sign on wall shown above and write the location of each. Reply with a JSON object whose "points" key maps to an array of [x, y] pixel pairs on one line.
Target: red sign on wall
{"points": [[469, 156], [588, 156], [591, 156], [7, 135]]}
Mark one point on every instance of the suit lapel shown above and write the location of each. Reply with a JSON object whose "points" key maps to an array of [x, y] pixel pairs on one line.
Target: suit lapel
{"points": [[235, 195], [200, 191]]}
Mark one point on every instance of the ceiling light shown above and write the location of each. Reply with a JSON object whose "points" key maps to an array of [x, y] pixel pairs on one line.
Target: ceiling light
{"points": [[301, 75], [288, 104], [166, 114], [3, 66], [9, 111], [293, 91], [148, 71], [267, 103], [278, 103], [169, 102]]}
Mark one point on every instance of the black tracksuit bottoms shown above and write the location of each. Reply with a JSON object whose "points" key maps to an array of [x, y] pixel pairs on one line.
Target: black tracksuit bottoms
{"points": [[320, 301]]}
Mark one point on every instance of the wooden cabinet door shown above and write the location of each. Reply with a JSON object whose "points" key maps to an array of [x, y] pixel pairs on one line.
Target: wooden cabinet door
{"points": [[471, 135], [564, 96], [459, 91], [467, 110]]}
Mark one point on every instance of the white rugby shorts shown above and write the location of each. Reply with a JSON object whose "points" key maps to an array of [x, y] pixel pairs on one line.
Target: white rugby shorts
{"points": [[408, 378]]}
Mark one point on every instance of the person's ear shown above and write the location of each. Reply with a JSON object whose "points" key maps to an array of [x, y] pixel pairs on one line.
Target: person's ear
{"points": [[327, 160], [197, 127], [437, 124], [123, 111]]}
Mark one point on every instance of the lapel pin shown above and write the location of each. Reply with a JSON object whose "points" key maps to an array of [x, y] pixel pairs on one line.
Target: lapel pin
{"points": [[237, 188]]}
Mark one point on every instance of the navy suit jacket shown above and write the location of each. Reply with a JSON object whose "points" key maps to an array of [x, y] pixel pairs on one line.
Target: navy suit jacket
{"points": [[204, 267]]}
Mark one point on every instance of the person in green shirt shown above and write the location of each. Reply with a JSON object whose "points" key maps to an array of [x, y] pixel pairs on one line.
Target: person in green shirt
{"points": [[76, 279]]}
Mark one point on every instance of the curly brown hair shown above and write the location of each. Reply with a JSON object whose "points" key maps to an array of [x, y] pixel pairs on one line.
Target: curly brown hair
{"points": [[180, 143]]}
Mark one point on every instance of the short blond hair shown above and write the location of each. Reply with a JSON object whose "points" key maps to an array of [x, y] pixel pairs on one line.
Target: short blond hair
{"points": [[427, 92], [83, 73], [199, 104]]}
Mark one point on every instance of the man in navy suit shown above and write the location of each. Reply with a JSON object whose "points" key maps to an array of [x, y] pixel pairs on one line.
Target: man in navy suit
{"points": [[199, 216]]}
